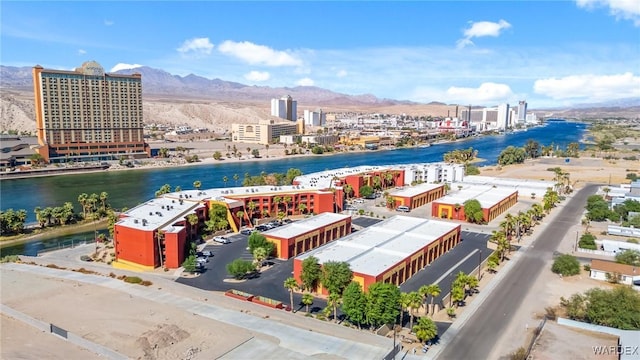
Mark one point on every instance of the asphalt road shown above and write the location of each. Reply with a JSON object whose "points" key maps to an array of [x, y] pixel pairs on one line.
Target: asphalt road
{"points": [[476, 339]]}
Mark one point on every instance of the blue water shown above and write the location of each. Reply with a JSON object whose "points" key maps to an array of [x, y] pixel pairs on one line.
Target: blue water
{"points": [[132, 187]]}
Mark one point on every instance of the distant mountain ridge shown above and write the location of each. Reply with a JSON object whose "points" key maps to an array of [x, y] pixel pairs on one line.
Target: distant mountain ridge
{"points": [[157, 82]]}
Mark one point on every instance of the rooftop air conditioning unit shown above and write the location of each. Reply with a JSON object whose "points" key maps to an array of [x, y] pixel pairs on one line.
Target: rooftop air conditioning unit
{"points": [[135, 221], [150, 213]]}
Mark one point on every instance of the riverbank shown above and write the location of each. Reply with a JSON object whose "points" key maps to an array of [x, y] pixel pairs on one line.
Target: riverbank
{"points": [[52, 232]]}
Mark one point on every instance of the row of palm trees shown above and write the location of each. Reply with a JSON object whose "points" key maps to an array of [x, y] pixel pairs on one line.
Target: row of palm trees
{"points": [[514, 226]]}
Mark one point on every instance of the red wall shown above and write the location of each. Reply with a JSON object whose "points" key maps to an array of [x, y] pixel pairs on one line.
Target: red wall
{"points": [[174, 249], [135, 245]]}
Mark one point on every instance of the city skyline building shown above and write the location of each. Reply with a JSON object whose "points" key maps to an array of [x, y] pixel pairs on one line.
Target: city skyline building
{"points": [[285, 108], [87, 114], [315, 118]]}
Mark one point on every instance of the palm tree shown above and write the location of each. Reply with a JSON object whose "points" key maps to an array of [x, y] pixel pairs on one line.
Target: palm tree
{"points": [[404, 305], [266, 147], [302, 208], [236, 177], [252, 209], [606, 191], [193, 220], [415, 302], [197, 184], [276, 201], [224, 180], [291, 284], [82, 199], [240, 215], [307, 299], [287, 200], [425, 329], [103, 198], [334, 300], [433, 290], [503, 246]]}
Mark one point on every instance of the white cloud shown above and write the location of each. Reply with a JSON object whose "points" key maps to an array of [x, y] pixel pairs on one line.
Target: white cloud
{"points": [[481, 29], [197, 46], [486, 93], [81, 51], [257, 76], [342, 73], [305, 82], [590, 87], [108, 22], [621, 9], [258, 54], [122, 66]]}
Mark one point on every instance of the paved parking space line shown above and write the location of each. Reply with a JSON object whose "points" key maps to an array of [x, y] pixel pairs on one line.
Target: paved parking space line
{"points": [[452, 269]]}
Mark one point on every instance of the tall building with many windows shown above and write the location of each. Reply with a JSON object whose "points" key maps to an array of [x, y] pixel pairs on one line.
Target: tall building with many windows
{"points": [[285, 108], [87, 114]]}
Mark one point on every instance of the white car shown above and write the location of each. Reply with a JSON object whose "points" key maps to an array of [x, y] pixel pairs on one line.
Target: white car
{"points": [[202, 260], [221, 239]]}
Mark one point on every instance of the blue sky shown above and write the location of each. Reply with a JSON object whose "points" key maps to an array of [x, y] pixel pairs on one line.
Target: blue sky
{"points": [[551, 53]]}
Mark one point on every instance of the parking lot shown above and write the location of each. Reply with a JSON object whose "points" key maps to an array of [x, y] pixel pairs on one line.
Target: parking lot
{"points": [[270, 283]]}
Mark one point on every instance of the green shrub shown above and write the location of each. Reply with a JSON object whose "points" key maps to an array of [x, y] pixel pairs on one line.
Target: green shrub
{"points": [[132, 280], [146, 283], [10, 258], [566, 265]]}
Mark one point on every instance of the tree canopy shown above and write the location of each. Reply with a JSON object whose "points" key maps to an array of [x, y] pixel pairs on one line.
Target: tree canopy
{"points": [[473, 211], [354, 303], [618, 307], [628, 257], [511, 155], [383, 304], [566, 265], [311, 273], [336, 276]]}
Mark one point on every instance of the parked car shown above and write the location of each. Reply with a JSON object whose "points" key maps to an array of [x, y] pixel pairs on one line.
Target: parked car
{"points": [[221, 239], [287, 221], [199, 254], [245, 231], [359, 201], [202, 259], [207, 253], [403, 208], [262, 228], [351, 207]]}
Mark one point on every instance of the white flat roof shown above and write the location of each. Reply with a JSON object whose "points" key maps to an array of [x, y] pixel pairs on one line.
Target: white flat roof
{"points": [[487, 195], [374, 250], [524, 186], [322, 179], [410, 191], [304, 226], [158, 213]]}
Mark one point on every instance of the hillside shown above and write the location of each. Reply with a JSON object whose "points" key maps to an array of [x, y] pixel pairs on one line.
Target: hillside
{"points": [[215, 104]]}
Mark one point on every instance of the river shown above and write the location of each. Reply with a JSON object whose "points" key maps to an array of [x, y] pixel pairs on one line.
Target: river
{"points": [[132, 187]]}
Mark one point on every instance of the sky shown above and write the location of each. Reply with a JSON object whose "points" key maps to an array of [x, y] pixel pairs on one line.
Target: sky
{"points": [[481, 53]]}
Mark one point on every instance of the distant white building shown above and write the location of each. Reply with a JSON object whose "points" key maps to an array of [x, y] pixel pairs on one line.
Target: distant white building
{"points": [[522, 112], [315, 118], [502, 121], [285, 108], [432, 172]]}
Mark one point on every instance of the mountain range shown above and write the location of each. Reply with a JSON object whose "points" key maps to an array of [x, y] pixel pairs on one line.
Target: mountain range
{"points": [[159, 83], [214, 103]]}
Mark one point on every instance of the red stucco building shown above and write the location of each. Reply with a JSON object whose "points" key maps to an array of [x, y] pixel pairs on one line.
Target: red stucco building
{"points": [[391, 251], [308, 234], [493, 200]]}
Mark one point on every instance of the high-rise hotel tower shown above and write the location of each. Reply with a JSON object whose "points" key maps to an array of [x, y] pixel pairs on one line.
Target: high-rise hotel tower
{"points": [[87, 114]]}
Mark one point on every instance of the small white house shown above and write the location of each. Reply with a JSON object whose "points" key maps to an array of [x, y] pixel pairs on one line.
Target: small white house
{"points": [[605, 270]]}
